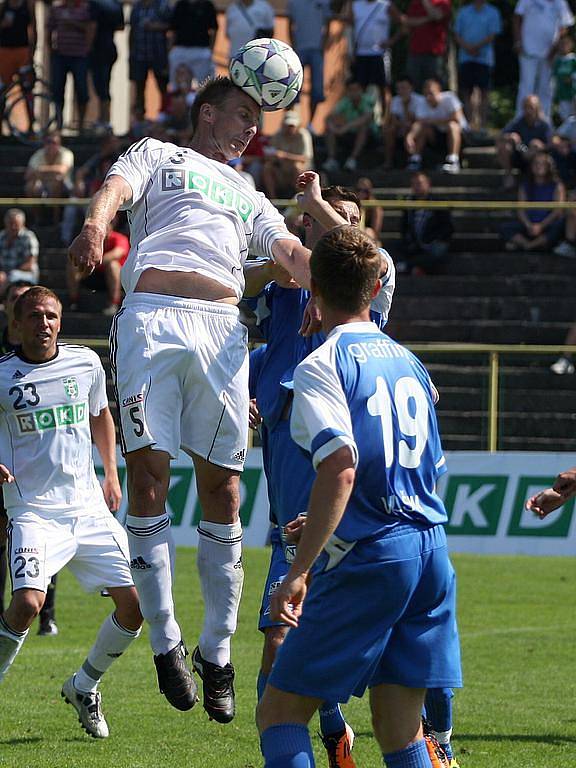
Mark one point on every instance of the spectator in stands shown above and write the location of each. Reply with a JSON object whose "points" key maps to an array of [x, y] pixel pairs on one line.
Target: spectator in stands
{"points": [[49, 170], [426, 232], [308, 28], [537, 28], [522, 137], [106, 276], [148, 43], [427, 23], [184, 83], [18, 37], [176, 124], [475, 29], [537, 229], [371, 23], [372, 217], [109, 18], [565, 363], [348, 127], [563, 150], [72, 29], [288, 154], [567, 247], [193, 26], [440, 123], [254, 157], [247, 20], [238, 165], [403, 110], [18, 250], [90, 176], [564, 78]]}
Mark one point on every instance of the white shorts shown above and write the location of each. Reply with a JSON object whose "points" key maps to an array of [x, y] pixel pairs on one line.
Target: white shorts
{"points": [[180, 369], [91, 542]]}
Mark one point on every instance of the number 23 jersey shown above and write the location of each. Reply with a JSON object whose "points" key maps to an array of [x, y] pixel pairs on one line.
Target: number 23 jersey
{"points": [[45, 437]]}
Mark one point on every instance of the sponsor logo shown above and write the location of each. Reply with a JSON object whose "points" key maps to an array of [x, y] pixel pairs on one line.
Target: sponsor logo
{"points": [[139, 564], [52, 418], [17, 374], [26, 551], [71, 387], [240, 455], [238, 565], [131, 399], [217, 191], [274, 586]]}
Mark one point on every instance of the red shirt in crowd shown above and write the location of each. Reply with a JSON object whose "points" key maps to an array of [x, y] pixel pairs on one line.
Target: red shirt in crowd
{"points": [[116, 240], [431, 37]]}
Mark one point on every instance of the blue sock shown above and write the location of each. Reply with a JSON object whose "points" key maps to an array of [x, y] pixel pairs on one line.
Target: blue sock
{"points": [[261, 683], [287, 746], [414, 756], [438, 706], [331, 718]]}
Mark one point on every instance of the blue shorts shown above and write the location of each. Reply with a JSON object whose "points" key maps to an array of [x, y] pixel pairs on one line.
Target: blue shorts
{"points": [[385, 614], [278, 569], [290, 475]]}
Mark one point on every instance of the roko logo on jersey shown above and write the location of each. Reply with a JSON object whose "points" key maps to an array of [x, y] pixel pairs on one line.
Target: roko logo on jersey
{"points": [[216, 191], [52, 418]]}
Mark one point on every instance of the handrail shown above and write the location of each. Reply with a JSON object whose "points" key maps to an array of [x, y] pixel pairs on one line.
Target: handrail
{"points": [[475, 205], [493, 350]]}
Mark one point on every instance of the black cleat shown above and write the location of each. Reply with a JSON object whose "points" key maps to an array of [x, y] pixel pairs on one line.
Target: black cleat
{"points": [[175, 680], [218, 684]]}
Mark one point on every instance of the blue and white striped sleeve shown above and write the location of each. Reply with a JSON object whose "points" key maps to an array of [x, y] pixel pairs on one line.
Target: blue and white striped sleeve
{"points": [[320, 421], [269, 226]]}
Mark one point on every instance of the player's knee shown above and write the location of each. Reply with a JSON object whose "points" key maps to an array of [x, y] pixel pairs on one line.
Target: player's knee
{"points": [[127, 607], [148, 487], [25, 605], [273, 639]]}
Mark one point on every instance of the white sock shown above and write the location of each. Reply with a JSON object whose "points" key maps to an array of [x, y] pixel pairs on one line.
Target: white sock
{"points": [[10, 643], [452, 158], [221, 577], [152, 564], [443, 737], [112, 640], [416, 158]]}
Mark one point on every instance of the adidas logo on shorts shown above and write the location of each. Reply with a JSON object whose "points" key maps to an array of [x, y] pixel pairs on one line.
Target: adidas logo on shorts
{"points": [[240, 456], [139, 564]]}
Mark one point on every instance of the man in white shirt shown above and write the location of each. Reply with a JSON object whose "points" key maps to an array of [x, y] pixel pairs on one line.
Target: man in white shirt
{"points": [[403, 110], [179, 358], [538, 25], [52, 403], [247, 20], [440, 122]]}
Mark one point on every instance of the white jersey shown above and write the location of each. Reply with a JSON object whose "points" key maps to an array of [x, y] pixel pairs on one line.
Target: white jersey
{"points": [[189, 213], [45, 438]]}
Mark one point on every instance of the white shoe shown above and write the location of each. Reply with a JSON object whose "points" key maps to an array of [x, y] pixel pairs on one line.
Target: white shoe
{"points": [[566, 249], [88, 706], [110, 310], [330, 165], [562, 366], [350, 164], [451, 166]]}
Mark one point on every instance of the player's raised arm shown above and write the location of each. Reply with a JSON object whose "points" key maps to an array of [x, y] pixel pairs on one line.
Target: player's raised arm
{"points": [[86, 249], [310, 201], [104, 436]]}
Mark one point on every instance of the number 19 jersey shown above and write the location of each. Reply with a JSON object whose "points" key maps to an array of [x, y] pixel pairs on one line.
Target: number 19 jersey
{"points": [[363, 390], [45, 437]]}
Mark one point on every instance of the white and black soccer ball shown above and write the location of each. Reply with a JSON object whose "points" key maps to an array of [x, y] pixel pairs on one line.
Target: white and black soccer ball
{"points": [[269, 71]]}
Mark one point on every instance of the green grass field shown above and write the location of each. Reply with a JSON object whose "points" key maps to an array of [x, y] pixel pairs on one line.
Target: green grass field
{"points": [[518, 627]]}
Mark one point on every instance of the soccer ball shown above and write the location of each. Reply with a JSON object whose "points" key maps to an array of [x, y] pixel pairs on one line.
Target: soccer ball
{"points": [[269, 71]]}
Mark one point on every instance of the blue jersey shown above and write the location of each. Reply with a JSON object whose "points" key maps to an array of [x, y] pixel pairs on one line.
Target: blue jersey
{"points": [[279, 313], [363, 390]]}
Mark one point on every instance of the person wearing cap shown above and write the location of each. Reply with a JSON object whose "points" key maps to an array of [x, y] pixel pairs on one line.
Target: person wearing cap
{"points": [[289, 153]]}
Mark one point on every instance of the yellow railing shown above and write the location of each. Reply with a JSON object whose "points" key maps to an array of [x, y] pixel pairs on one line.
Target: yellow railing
{"points": [[494, 351]]}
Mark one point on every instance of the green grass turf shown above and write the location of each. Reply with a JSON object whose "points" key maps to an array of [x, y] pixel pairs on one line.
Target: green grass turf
{"points": [[518, 626]]}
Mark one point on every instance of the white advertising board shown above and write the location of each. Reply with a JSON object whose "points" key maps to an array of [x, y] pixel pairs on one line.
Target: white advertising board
{"points": [[484, 494]]}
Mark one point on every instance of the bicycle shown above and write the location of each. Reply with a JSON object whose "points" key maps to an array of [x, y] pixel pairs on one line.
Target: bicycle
{"points": [[26, 107]]}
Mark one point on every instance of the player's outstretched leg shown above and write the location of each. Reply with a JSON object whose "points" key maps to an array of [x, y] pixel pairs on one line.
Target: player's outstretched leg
{"points": [[116, 634], [438, 714], [10, 643], [337, 736], [152, 566], [221, 578]]}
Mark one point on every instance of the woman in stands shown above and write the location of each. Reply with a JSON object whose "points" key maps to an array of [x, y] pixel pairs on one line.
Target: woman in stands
{"points": [[542, 228]]}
